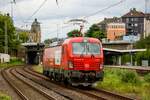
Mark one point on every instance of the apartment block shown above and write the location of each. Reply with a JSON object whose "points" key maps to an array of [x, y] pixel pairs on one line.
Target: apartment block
{"points": [[115, 31]]}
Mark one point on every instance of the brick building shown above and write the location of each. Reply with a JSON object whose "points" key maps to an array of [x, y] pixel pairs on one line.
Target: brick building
{"points": [[103, 24], [115, 31], [136, 23]]}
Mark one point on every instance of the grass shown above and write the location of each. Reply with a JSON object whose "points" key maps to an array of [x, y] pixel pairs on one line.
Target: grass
{"points": [[122, 81], [14, 61], [4, 96], [38, 68], [125, 82]]}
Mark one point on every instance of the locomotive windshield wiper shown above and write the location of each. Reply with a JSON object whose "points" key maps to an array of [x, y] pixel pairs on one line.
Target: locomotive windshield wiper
{"points": [[92, 55], [81, 55]]}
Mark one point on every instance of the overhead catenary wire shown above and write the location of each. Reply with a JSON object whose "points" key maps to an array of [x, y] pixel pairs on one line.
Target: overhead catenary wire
{"points": [[104, 9], [19, 12], [64, 27], [36, 11], [101, 10], [90, 15]]}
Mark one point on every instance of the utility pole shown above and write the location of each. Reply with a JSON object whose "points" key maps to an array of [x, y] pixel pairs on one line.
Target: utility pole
{"points": [[146, 3], [131, 54], [57, 33], [11, 3], [12, 10], [145, 22], [6, 38]]}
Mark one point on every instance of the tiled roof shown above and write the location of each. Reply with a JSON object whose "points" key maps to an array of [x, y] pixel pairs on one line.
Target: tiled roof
{"points": [[110, 20], [134, 13]]}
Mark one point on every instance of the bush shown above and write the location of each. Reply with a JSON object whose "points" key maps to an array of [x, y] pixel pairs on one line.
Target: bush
{"points": [[126, 58], [147, 78], [130, 77], [14, 59], [4, 97], [142, 56]]}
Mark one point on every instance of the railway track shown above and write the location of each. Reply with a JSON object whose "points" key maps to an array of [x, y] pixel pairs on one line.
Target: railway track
{"points": [[4, 74], [106, 95], [44, 81], [91, 92], [34, 83], [137, 68], [25, 90]]}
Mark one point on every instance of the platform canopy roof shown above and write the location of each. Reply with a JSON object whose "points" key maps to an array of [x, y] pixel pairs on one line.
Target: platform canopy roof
{"points": [[32, 44], [123, 51], [29, 44]]}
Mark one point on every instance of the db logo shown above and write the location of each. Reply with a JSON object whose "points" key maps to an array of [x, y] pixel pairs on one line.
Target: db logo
{"points": [[86, 65]]}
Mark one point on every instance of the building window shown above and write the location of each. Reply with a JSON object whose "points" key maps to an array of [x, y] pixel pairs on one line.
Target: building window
{"points": [[132, 24], [135, 24], [127, 20], [132, 19], [135, 19]]}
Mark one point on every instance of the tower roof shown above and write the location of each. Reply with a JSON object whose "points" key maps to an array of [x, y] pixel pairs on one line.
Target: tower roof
{"points": [[35, 22]]}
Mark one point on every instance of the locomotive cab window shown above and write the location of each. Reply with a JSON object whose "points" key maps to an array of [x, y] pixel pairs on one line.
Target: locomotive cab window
{"points": [[86, 48]]}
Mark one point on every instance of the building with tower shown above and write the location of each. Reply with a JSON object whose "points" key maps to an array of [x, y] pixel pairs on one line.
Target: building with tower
{"points": [[103, 24], [35, 34]]}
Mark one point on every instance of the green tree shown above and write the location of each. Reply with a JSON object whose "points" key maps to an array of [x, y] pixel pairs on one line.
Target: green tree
{"points": [[125, 58], [142, 56], [95, 32], [12, 42], [74, 33], [143, 43], [23, 36], [47, 42]]}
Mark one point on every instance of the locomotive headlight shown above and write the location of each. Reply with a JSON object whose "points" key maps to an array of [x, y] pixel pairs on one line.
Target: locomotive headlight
{"points": [[70, 64], [101, 66]]}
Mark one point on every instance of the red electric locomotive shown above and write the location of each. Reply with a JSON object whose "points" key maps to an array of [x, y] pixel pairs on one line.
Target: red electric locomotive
{"points": [[77, 61]]}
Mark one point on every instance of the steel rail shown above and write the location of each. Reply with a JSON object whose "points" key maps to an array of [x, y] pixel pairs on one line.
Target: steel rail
{"points": [[10, 82], [37, 89], [42, 84], [122, 97]]}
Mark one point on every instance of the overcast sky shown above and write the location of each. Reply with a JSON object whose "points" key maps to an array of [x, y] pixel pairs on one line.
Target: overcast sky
{"points": [[53, 16]]}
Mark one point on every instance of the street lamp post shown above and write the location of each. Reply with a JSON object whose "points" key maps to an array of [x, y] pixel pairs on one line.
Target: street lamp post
{"points": [[6, 39], [131, 56], [11, 4]]}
